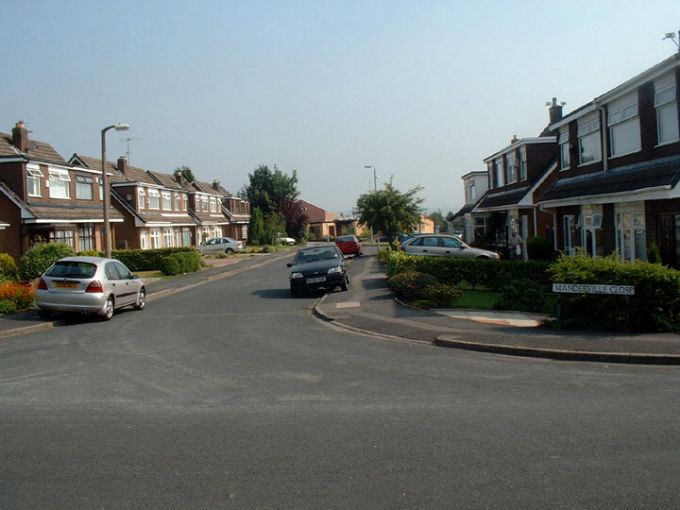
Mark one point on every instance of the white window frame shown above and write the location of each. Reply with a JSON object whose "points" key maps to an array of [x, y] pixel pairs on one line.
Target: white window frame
{"points": [[565, 157], [523, 163], [631, 234], [141, 199], [568, 230], [59, 180], [178, 202], [155, 237], [154, 199], [666, 103], [204, 204], [589, 130], [166, 201], [33, 176], [498, 168], [143, 240], [169, 237], [623, 122], [511, 167], [590, 223], [84, 184], [472, 192]]}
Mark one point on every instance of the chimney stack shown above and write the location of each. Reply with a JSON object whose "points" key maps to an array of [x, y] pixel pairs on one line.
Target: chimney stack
{"points": [[216, 185], [180, 179], [123, 166], [20, 136], [555, 110], [514, 139]]}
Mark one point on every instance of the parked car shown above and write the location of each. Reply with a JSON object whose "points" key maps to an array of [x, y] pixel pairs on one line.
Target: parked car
{"points": [[220, 245], [349, 245], [318, 267], [286, 240], [88, 285], [439, 245]]}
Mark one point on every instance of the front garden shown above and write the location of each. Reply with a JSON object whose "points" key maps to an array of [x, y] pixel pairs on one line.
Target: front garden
{"points": [[440, 282]]}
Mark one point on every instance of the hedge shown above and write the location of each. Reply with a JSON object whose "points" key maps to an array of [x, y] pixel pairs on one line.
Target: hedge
{"points": [[147, 260], [493, 274], [182, 262], [655, 306], [36, 260]]}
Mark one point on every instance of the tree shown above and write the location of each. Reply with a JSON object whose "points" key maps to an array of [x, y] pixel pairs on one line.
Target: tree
{"points": [[276, 192], [185, 172], [389, 210], [439, 221], [256, 229]]}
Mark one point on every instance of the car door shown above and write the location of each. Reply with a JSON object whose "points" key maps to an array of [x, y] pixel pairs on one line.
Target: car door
{"points": [[425, 245], [450, 247], [128, 283], [114, 283]]}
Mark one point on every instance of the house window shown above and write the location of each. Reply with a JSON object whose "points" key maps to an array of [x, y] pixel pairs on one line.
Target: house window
{"points": [[101, 189], [589, 146], [510, 168], [141, 198], [185, 199], [169, 237], [472, 192], [155, 238], [569, 234], [499, 172], [523, 163], [34, 175], [178, 202], [590, 223], [144, 240], [213, 205], [84, 187], [565, 160], [631, 238], [86, 237], [62, 236], [154, 199], [167, 203], [480, 228], [489, 168], [59, 184], [666, 104], [204, 204], [624, 125]]}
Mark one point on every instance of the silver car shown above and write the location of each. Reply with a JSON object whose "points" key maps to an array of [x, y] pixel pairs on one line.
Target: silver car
{"points": [[438, 245], [89, 285], [220, 245]]}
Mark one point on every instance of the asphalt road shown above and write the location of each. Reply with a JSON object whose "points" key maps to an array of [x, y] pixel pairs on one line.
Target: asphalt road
{"points": [[231, 395]]}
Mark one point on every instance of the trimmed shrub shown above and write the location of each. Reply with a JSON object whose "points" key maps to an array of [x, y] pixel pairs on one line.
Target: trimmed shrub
{"points": [[410, 285], [8, 268], [147, 260], [171, 265], [540, 248], [182, 262], [525, 296], [442, 295], [655, 306], [40, 257]]}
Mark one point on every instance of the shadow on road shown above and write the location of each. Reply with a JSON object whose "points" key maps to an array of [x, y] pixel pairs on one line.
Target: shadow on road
{"points": [[273, 293]]}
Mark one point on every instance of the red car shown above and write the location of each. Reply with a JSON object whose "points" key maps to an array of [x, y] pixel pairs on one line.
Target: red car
{"points": [[349, 245]]}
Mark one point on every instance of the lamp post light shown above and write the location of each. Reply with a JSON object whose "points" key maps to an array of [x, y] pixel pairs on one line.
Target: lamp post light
{"points": [[105, 188], [375, 178]]}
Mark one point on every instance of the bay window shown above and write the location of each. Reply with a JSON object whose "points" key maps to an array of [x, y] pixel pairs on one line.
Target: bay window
{"points": [[169, 237], [631, 238], [167, 203], [155, 238], [86, 237], [154, 199], [624, 125]]}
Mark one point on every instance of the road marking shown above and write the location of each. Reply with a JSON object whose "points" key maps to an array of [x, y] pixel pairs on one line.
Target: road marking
{"points": [[348, 304]]}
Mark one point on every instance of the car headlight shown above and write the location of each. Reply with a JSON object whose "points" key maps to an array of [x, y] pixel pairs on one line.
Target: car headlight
{"points": [[333, 270], [295, 276]]}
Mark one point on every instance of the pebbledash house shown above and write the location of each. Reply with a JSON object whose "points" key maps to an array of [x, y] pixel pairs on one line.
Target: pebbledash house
{"points": [[618, 170]]}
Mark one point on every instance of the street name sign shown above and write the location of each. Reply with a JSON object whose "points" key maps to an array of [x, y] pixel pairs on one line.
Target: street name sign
{"points": [[593, 288]]}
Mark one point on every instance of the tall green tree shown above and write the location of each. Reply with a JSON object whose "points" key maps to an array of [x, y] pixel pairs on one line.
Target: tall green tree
{"points": [[389, 210], [185, 172], [439, 221], [256, 230]]}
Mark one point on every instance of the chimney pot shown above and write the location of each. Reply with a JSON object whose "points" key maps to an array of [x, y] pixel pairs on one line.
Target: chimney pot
{"points": [[555, 111], [216, 184]]}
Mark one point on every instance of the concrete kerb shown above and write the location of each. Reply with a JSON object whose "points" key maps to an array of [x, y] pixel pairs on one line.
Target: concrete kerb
{"points": [[24, 330]]}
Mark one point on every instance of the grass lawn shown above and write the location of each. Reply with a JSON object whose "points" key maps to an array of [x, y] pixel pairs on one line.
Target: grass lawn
{"points": [[479, 299]]}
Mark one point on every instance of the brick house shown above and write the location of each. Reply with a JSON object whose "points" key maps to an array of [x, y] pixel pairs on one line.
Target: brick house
{"points": [[618, 170], [205, 205], [322, 223], [518, 175], [154, 206], [475, 185], [45, 199], [236, 210]]}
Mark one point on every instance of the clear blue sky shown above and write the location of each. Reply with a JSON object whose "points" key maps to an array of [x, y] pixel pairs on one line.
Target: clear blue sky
{"points": [[423, 90]]}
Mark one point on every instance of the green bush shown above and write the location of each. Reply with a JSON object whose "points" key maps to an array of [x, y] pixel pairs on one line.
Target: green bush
{"points": [[7, 306], [410, 285], [148, 260], [655, 306], [90, 253], [540, 248], [525, 296], [8, 268], [171, 265], [653, 254], [182, 262], [442, 295], [40, 257]]}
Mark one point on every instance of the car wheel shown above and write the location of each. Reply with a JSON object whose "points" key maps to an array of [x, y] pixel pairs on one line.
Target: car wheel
{"points": [[44, 314], [229, 251], [108, 309], [345, 283], [141, 300]]}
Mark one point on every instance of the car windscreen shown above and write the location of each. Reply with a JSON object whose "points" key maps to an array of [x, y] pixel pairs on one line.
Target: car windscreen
{"points": [[315, 255], [72, 269]]}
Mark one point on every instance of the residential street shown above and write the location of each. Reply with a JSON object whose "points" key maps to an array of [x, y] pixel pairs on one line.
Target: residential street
{"points": [[233, 395]]}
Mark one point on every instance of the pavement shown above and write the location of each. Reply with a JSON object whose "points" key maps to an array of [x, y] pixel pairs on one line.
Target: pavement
{"points": [[368, 307]]}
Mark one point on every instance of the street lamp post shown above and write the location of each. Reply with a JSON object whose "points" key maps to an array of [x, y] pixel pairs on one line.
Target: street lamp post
{"points": [[105, 188], [375, 178]]}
